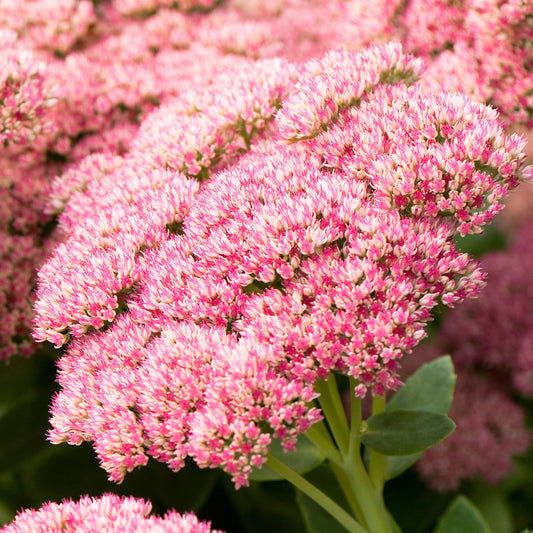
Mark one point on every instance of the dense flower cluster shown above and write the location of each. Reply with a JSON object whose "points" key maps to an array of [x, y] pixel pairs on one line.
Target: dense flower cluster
{"points": [[51, 25], [27, 103], [107, 514], [236, 253], [74, 82], [132, 204]]}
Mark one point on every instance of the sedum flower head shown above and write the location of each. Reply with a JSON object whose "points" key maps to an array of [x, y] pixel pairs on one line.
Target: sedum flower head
{"points": [[238, 253], [106, 514]]}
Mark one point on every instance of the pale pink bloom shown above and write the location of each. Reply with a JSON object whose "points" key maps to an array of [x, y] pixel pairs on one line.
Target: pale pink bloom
{"points": [[432, 26], [82, 283], [206, 395], [25, 96], [317, 250], [176, 391], [168, 27], [116, 209], [107, 514], [55, 25], [232, 35], [456, 71], [201, 128], [246, 391], [116, 139], [504, 62], [298, 25], [491, 38], [339, 80], [78, 177], [435, 156], [122, 78], [99, 375]]}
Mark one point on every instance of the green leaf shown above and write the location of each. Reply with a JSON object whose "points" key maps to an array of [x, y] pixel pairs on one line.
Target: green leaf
{"points": [[404, 432], [462, 516], [24, 425], [397, 464], [430, 388], [259, 508], [493, 505], [306, 457], [316, 519]]}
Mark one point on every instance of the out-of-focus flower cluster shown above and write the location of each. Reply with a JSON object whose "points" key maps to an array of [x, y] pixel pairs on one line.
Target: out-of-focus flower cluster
{"points": [[24, 97], [284, 222], [491, 429], [107, 514], [482, 47], [490, 341]]}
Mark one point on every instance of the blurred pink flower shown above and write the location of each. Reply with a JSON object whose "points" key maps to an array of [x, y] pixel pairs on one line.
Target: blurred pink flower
{"points": [[491, 428]]}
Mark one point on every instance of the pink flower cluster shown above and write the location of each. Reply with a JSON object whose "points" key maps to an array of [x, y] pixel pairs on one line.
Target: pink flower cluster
{"points": [[51, 25], [488, 41], [24, 97], [132, 204], [291, 216], [27, 104], [106, 514], [296, 28], [75, 82], [237, 252], [189, 390]]}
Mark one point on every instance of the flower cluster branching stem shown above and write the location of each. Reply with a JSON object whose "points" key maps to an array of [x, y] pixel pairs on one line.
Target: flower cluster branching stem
{"points": [[339, 441]]}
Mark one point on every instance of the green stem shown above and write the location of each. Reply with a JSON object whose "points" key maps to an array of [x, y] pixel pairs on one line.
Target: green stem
{"points": [[333, 409], [319, 435], [370, 502], [316, 495], [376, 467], [356, 419], [346, 487]]}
